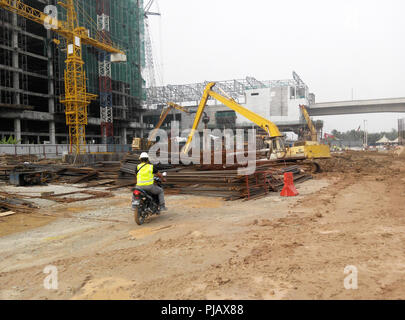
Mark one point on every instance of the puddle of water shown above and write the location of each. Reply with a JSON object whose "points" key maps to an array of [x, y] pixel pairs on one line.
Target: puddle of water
{"points": [[22, 222]]}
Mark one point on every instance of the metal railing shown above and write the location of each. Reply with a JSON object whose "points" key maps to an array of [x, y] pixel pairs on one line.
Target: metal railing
{"points": [[53, 151]]}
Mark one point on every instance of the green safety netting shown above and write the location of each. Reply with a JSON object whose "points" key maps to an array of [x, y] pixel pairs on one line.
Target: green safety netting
{"points": [[126, 31]]}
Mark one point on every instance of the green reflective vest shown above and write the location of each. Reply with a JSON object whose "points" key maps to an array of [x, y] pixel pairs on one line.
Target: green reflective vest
{"points": [[145, 175]]}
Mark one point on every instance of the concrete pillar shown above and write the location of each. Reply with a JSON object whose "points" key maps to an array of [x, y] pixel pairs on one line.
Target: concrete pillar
{"points": [[124, 136], [17, 129], [52, 133], [51, 88], [16, 75], [124, 102], [142, 125]]}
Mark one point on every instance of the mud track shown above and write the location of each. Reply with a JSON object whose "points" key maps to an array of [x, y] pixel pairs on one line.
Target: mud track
{"points": [[204, 248]]}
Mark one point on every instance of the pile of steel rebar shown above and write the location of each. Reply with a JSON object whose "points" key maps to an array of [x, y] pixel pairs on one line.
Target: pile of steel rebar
{"points": [[232, 184], [229, 182]]}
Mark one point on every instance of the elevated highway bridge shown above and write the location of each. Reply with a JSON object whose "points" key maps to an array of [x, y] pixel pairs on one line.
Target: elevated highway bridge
{"points": [[391, 105]]}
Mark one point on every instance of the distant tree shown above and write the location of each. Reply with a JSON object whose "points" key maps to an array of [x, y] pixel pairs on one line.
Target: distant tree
{"points": [[336, 133], [392, 135], [354, 135]]}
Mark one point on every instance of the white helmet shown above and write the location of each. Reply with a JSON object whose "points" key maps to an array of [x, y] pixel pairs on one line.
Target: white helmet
{"points": [[144, 155]]}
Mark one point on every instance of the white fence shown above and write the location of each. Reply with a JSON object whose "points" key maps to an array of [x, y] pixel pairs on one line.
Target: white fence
{"points": [[57, 150]]}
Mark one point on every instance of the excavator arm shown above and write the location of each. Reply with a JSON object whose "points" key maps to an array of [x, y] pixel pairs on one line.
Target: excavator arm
{"points": [[271, 129], [163, 117], [312, 129]]}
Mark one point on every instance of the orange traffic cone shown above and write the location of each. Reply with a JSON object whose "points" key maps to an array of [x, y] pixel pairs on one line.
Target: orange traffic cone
{"points": [[289, 189]]}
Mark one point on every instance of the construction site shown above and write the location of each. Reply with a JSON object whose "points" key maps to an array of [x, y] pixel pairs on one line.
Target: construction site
{"points": [[259, 206]]}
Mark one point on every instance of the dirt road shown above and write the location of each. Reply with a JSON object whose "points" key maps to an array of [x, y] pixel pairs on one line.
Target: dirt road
{"points": [[205, 248]]}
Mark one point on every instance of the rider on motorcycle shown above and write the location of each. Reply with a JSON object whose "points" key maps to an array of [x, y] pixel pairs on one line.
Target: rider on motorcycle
{"points": [[145, 179]]}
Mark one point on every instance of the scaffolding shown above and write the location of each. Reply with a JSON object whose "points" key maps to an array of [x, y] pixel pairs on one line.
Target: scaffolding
{"points": [[119, 86], [13, 67]]}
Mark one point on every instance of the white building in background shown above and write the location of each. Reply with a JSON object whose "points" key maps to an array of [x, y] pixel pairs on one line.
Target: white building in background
{"points": [[278, 104]]}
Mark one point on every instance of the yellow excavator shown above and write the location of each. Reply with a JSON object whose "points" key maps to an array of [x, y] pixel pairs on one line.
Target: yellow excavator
{"points": [[142, 144], [165, 112], [311, 148], [278, 151], [276, 138], [311, 127]]}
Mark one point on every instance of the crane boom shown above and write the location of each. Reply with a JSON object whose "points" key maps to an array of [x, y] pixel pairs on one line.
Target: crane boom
{"points": [[58, 26], [76, 98], [271, 129]]}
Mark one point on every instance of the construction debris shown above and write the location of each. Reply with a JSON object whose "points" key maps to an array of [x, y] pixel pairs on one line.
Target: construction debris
{"points": [[73, 175], [6, 214], [131, 161], [10, 160], [228, 182], [69, 197], [231, 184], [15, 204], [80, 196]]}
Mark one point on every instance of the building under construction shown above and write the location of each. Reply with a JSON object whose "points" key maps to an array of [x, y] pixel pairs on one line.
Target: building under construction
{"points": [[32, 67]]}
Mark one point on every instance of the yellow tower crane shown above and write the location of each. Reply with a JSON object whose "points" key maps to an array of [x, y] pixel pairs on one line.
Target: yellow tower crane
{"points": [[76, 98]]}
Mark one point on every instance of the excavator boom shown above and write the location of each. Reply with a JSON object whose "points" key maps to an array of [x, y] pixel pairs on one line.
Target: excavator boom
{"points": [[265, 124], [163, 116], [314, 133]]}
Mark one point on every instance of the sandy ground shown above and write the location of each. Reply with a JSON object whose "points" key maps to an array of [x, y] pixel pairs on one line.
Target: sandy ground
{"points": [[205, 248]]}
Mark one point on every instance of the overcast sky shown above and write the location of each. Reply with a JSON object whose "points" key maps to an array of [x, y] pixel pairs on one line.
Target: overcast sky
{"points": [[335, 46]]}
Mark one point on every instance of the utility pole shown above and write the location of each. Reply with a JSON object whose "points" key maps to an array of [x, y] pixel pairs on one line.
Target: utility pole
{"points": [[365, 140]]}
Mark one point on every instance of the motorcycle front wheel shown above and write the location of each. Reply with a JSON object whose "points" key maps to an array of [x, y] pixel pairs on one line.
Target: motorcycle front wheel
{"points": [[139, 217]]}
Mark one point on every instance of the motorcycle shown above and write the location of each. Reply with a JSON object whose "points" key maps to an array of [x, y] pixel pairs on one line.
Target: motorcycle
{"points": [[145, 204]]}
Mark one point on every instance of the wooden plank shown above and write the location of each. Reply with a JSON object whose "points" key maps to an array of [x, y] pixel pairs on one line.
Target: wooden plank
{"points": [[6, 214]]}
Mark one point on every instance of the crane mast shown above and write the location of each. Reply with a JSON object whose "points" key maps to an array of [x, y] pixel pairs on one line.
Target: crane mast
{"points": [[76, 98]]}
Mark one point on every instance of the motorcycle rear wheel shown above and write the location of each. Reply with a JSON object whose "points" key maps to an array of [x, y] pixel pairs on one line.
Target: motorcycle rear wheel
{"points": [[139, 217]]}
